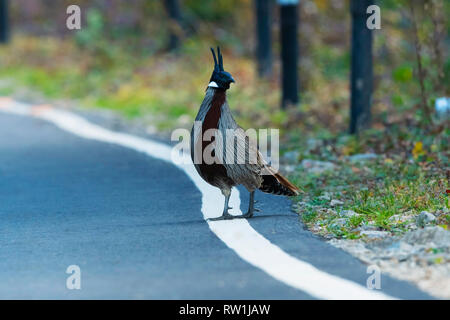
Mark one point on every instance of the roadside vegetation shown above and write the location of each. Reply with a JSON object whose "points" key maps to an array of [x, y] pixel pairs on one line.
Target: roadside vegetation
{"points": [[349, 195]]}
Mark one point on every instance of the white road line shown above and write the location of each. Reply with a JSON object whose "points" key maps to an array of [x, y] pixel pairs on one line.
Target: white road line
{"points": [[236, 234]]}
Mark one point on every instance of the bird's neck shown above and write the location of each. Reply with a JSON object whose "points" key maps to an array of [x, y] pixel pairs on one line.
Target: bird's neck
{"points": [[218, 98], [214, 90]]}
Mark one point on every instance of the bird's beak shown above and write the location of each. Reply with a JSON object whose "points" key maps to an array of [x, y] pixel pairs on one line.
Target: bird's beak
{"points": [[232, 80]]}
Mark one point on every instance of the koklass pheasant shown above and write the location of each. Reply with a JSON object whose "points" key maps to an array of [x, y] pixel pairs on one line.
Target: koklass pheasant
{"points": [[215, 114]]}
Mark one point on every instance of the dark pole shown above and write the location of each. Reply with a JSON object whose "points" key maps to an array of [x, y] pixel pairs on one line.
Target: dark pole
{"points": [[289, 51], [4, 21], [263, 36], [361, 69], [174, 13]]}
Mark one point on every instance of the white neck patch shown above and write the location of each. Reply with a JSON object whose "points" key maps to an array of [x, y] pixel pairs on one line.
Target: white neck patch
{"points": [[213, 84]]}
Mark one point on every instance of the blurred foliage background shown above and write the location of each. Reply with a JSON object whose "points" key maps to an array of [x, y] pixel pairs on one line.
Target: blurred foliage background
{"points": [[120, 60]]}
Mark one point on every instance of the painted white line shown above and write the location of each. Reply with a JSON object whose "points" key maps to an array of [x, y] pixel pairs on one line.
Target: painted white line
{"points": [[236, 234]]}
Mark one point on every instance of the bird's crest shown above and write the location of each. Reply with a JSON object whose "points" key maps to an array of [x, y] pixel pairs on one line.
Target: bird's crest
{"points": [[219, 78], [217, 66]]}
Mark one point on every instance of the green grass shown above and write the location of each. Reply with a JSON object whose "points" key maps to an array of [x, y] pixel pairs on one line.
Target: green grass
{"points": [[409, 175], [376, 191]]}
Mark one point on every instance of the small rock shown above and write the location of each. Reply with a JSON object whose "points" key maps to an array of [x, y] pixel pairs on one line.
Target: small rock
{"points": [[399, 218], [340, 222], [362, 157], [316, 166], [348, 213], [375, 234], [337, 224], [411, 226], [400, 250], [365, 227], [301, 205], [335, 203], [429, 235], [395, 218], [325, 196], [425, 218]]}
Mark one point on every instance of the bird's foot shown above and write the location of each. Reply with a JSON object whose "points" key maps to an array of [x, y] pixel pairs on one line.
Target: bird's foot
{"points": [[247, 215], [225, 216]]}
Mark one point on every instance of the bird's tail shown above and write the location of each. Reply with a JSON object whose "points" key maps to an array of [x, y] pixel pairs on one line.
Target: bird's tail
{"points": [[275, 183]]}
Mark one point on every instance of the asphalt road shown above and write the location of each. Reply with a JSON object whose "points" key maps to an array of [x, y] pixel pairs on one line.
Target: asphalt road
{"points": [[133, 224]]}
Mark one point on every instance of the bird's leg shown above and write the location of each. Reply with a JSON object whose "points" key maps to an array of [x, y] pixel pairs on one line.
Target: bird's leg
{"points": [[251, 206], [225, 215]]}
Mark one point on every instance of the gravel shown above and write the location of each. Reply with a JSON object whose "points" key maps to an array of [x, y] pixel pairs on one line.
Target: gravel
{"points": [[317, 167], [373, 234], [362, 157], [425, 218], [335, 203], [421, 256], [348, 213]]}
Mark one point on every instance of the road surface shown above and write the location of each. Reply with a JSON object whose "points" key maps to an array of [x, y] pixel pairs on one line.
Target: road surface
{"points": [[135, 225]]}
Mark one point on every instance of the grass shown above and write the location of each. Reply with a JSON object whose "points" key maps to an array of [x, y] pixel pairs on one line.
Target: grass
{"points": [[385, 194]]}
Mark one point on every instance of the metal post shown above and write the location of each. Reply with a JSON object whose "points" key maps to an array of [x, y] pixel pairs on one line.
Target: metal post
{"points": [[264, 37], [174, 14], [289, 51], [4, 21], [361, 67]]}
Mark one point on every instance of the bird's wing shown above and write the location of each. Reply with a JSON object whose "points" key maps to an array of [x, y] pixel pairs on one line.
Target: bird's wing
{"points": [[241, 157]]}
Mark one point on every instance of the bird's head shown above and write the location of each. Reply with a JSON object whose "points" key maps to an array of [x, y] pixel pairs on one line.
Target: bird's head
{"points": [[219, 78]]}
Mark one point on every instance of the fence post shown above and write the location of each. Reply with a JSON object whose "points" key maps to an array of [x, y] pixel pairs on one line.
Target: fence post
{"points": [[4, 21], [263, 37], [174, 14], [289, 51], [361, 67]]}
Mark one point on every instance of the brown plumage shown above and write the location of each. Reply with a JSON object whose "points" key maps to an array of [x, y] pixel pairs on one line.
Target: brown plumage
{"points": [[252, 171]]}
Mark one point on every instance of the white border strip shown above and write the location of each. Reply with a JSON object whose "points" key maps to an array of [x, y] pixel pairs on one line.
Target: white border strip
{"points": [[236, 234]]}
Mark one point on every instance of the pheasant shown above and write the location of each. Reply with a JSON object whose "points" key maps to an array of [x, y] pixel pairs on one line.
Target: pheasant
{"points": [[215, 114]]}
